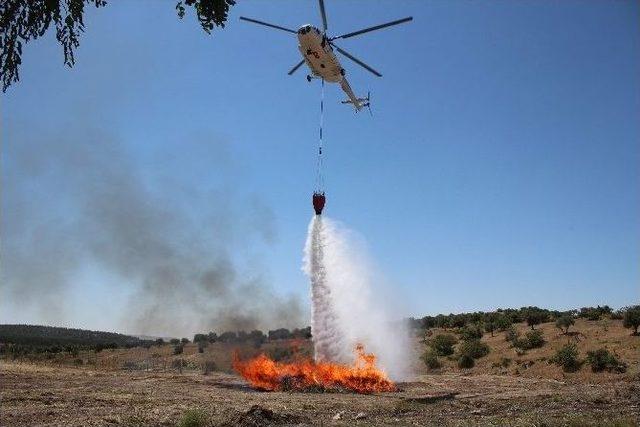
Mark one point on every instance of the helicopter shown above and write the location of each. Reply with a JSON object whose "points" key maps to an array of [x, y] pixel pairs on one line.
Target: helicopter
{"points": [[317, 50]]}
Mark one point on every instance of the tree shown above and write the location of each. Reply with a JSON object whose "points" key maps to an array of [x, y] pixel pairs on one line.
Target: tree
{"points": [[199, 338], [471, 332], [632, 318], [184, 340], [502, 322], [490, 326], [174, 341], [443, 344], [564, 323], [535, 316], [24, 20]]}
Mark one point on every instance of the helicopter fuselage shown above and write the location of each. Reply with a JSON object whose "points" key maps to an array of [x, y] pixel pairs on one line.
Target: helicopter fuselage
{"points": [[323, 63], [318, 54]]}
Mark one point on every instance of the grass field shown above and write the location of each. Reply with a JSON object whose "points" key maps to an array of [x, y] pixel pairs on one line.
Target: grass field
{"points": [[143, 387]]}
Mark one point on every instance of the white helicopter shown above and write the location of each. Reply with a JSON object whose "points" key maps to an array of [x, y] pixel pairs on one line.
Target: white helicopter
{"points": [[317, 50]]}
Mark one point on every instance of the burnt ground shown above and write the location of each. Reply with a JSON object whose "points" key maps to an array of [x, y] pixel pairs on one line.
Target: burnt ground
{"points": [[33, 394]]}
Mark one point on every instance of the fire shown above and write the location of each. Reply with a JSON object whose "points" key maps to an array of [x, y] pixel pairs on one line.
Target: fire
{"points": [[363, 377]]}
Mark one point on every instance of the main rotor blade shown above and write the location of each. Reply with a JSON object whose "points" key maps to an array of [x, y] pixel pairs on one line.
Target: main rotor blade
{"points": [[324, 15], [293, 70], [356, 60], [377, 27], [266, 24]]}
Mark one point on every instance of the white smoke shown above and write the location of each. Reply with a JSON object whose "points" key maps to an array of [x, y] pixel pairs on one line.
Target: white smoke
{"points": [[349, 303]]}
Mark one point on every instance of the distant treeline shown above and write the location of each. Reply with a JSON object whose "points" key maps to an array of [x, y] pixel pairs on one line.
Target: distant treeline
{"points": [[503, 318], [254, 336], [18, 339]]}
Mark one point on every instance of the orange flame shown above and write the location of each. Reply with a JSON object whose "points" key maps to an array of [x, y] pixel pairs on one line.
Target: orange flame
{"points": [[363, 377]]}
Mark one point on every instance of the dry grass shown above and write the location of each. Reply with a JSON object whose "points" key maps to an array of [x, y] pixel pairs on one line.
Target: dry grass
{"points": [[588, 335]]}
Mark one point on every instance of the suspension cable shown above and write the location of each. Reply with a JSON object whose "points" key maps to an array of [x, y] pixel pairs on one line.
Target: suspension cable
{"points": [[319, 172]]}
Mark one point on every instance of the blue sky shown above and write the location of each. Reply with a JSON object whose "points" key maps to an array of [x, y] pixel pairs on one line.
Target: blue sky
{"points": [[500, 167]]}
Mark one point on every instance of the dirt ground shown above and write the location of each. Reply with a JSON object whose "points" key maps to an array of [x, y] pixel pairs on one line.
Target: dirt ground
{"points": [[33, 394]]}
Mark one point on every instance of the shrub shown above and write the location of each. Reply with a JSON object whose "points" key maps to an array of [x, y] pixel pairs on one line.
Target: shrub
{"points": [[280, 353], [471, 332], [208, 367], [632, 318], [178, 349], [512, 335], [174, 341], [532, 339], [430, 358], [564, 323], [503, 322], [602, 359], [178, 364], [473, 348], [443, 344], [194, 418], [465, 361], [567, 358], [535, 339]]}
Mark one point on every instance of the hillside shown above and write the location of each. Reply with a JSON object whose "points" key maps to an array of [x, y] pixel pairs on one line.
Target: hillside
{"points": [[36, 335]]}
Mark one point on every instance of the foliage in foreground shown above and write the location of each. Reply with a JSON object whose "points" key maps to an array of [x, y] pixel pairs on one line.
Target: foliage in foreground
{"points": [[194, 418], [430, 358], [603, 360], [532, 339], [24, 20], [567, 358], [443, 344]]}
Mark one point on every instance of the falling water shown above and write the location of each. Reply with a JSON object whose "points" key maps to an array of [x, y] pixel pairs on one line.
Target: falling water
{"points": [[349, 305], [326, 334]]}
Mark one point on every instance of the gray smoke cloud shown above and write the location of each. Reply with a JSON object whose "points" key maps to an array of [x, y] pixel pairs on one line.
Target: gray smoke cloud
{"points": [[78, 199]]}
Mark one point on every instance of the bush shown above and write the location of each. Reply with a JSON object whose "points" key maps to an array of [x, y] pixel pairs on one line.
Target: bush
{"points": [[178, 349], [512, 335], [465, 361], [471, 332], [502, 322], [430, 358], [443, 344], [532, 339], [194, 418], [632, 318], [280, 353], [174, 341], [473, 348], [208, 367], [567, 358], [602, 359], [564, 323]]}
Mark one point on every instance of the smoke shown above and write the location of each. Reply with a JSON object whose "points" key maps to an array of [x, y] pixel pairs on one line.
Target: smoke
{"points": [[350, 303], [76, 201]]}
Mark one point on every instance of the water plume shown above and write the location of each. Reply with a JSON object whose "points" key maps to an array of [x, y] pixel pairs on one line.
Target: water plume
{"points": [[349, 302]]}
